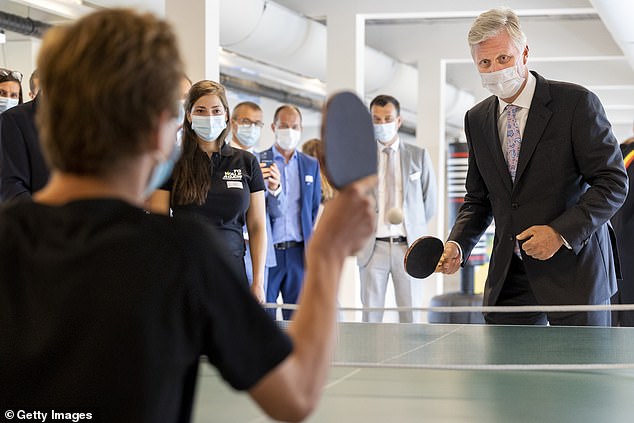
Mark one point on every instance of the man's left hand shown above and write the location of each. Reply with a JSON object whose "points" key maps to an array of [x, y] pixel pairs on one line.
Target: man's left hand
{"points": [[541, 242]]}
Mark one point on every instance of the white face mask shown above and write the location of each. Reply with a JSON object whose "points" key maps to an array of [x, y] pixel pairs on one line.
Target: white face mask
{"points": [[385, 132], [208, 128], [504, 83], [6, 103], [248, 135], [287, 138]]}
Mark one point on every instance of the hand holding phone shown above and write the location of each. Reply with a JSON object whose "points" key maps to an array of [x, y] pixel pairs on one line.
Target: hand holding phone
{"points": [[266, 158], [270, 172]]}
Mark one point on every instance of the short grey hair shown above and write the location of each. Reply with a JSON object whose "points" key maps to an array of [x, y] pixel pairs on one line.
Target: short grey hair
{"points": [[491, 23]]}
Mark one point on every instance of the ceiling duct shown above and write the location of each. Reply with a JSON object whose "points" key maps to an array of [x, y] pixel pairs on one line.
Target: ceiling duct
{"points": [[618, 18], [270, 33], [24, 26]]}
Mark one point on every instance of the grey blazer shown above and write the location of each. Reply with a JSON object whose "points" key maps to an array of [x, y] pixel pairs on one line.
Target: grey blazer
{"points": [[419, 196]]}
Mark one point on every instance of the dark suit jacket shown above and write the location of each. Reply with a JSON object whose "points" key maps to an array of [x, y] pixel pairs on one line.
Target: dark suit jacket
{"points": [[310, 193], [23, 170], [570, 176], [623, 222]]}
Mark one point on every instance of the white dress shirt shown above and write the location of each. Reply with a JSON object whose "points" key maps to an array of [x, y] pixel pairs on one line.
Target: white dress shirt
{"points": [[384, 229], [524, 101]]}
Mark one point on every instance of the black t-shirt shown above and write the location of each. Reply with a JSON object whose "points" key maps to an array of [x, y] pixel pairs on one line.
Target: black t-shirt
{"points": [[235, 174], [105, 307]]}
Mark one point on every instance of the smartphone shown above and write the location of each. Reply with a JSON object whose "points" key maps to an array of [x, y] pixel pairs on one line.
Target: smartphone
{"points": [[266, 157]]}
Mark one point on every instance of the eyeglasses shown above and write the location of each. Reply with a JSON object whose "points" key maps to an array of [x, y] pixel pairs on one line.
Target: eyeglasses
{"points": [[249, 122], [6, 73]]}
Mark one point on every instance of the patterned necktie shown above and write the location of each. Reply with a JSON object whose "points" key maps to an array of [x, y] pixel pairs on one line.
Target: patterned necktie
{"points": [[390, 188], [513, 144], [513, 139]]}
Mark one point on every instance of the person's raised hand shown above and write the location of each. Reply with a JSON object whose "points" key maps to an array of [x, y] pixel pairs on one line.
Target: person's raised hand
{"points": [[272, 175]]}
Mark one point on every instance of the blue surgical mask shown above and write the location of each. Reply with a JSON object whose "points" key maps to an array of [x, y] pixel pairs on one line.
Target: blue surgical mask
{"points": [[162, 172], [208, 128], [181, 112], [248, 135], [6, 103], [385, 132]]}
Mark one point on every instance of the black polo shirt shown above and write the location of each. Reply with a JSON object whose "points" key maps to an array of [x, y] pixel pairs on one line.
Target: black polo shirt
{"points": [[235, 174], [106, 308]]}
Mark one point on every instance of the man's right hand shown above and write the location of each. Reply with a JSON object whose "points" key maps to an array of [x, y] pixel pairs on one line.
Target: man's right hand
{"points": [[449, 263], [272, 175]]}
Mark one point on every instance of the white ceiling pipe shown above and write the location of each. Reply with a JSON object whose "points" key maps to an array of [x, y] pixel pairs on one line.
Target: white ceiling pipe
{"points": [[618, 17], [270, 33]]}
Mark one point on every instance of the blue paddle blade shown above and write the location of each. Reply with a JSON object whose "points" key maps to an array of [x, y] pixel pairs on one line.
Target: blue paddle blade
{"points": [[348, 134]]}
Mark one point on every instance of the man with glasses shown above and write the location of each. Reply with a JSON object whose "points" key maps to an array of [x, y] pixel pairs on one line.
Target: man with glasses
{"points": [[23, 170], [246, 128], [406, 200]]}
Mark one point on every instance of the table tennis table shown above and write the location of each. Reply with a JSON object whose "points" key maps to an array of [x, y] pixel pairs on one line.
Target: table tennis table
{"points": [[459, 373]]}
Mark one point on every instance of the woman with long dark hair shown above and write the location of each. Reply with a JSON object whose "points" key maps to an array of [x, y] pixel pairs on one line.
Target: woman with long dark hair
{"points": [[217, 183]]}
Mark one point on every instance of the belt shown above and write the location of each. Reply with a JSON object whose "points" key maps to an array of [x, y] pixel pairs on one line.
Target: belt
{"points": [[288, 244], [394, 239]]}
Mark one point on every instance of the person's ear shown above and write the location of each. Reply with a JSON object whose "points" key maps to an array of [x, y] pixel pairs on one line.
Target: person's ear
{"points": [[399, 121]]}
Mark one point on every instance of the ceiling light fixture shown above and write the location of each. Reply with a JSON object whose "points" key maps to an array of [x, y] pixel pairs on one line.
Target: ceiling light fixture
{"points": [[70, 9]]}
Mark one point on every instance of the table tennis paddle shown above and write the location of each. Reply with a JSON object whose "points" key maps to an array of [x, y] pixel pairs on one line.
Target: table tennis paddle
{"points": [[348, 135], [421, 258]]}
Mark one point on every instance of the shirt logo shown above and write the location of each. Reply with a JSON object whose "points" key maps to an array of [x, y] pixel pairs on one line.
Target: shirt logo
{"points": [[233, 175]]}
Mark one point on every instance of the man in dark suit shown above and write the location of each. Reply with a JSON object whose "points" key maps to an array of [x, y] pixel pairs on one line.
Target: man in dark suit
{"points": [[23, 170], [292, 209], [545, 165], [623, 222]]}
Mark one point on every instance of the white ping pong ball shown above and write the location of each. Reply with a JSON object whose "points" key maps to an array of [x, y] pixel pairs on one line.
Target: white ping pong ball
{"points": [[395, 216]]}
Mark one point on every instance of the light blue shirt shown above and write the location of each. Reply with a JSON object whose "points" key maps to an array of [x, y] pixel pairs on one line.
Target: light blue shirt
{"points": [[289, 228]]}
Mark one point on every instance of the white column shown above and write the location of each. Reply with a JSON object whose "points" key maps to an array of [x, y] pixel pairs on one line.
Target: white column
{"points": [[430, 134], [22, 56], [345, 71], [197, 24], [345, 48]]}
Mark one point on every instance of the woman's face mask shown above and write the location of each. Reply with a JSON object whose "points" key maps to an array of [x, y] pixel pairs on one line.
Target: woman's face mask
{"points": [[208, 128]]}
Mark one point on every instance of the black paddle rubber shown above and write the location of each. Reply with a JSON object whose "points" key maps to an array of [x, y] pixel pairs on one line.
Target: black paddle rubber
{"points": [[423, 256]]}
